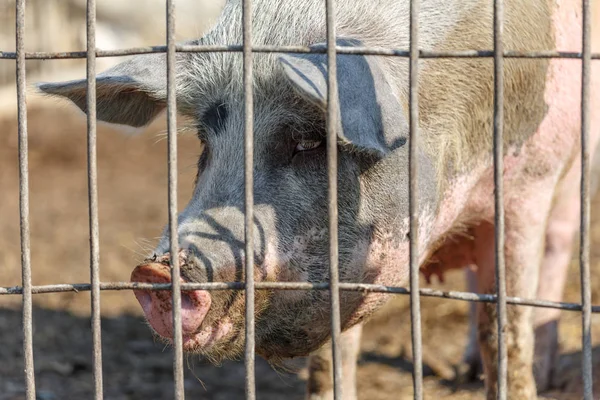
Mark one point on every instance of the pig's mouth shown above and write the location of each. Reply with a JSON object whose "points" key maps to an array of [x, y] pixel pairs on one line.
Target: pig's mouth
{"points": [[198, 334]]}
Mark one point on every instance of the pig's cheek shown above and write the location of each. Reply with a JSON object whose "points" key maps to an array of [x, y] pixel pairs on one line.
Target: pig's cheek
{"points": [[385, 263], [269, 270], [277, 267]]}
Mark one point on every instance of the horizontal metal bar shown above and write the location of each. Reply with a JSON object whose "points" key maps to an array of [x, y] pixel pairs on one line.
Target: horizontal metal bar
{"points": [[374, 51], [357, 287]]}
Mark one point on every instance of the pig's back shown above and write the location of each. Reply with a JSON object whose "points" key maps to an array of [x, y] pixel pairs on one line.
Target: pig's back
{"points": [[456, 95]]}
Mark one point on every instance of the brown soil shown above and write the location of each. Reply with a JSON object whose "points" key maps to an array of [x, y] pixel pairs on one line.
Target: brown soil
{"points": [[132, 197]]}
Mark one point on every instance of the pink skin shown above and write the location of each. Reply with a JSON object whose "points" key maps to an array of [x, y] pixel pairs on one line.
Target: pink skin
{"points": [[548, 203], [157, 306]]}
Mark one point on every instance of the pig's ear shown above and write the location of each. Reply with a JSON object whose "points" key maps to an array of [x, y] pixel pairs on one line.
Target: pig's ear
{"points": [[371, 117], [131, 93]]}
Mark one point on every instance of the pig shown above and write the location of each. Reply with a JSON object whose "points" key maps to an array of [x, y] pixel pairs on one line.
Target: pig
{"points": [[454, 187]]}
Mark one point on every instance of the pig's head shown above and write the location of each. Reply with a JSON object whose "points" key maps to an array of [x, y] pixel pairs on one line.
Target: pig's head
{"points": [[290, 192]]}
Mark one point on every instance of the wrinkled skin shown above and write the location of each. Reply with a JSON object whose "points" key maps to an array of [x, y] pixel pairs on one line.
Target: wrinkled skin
{"points": [[454, 185]]}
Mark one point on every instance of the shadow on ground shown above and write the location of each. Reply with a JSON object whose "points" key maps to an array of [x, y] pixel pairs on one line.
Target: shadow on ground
{"points": [[135, 366]]}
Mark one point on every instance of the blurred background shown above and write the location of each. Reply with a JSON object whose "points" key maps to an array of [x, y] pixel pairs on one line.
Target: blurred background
{"points": [[132, 175]]}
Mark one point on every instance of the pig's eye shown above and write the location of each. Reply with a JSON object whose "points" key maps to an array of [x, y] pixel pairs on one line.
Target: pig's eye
{"points": [[307, 145]]}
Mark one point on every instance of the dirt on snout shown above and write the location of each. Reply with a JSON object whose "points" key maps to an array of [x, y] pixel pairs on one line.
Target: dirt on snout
{"points": [[132, 176]]}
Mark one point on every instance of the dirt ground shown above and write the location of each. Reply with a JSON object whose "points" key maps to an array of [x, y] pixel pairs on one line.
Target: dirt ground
{"points": [[132, 198]]}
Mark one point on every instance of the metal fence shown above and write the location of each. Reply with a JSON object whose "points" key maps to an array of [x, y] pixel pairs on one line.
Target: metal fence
{"points": [[334, 286]]}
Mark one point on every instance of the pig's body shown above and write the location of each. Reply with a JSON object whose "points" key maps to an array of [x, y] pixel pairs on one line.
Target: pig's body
{"points": [[456, 207]]}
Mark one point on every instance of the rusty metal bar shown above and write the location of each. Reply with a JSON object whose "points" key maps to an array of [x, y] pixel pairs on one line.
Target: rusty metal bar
{"points": [[359, 50], [93, 198], [499, 198], [357, 287], [332, 196], [249, 199], [24, 202], [413, 207], [179, 393], [584, 249]]}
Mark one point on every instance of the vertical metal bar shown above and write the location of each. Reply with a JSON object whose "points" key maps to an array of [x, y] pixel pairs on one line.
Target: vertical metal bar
{"points": [[332, 159], [413, 209], [93, 197], [584, 250], [24, 201], [249, 197], [173, 237], [499, 196]]}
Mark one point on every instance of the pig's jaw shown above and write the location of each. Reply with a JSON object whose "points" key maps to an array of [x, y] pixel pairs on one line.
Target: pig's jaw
{"points": [[204, 339]]}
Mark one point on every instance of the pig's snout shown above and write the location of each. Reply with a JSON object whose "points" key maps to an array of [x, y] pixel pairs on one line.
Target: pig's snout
{"points": [[158, 306]]}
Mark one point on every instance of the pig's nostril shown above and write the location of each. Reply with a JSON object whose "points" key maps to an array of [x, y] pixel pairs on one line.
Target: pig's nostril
{"points": [[158, 306], [186, 302], [194, 307], [145, 301]]}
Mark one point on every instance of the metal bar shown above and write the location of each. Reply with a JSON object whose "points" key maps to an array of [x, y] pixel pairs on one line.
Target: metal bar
{"points": [[24, 202], [373, 51], [249, 199], [358, 287], [179, 393], [93, 198], [413, 207], [584, 250], [332, 172], [499, 197]]}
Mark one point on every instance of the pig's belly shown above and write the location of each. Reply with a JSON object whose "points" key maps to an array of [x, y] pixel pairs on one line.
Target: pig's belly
{"points": [[537, 169]]}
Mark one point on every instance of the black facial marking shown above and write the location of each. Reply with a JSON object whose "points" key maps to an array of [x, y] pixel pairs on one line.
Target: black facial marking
{"points": [[202, 161], [215, 117]]}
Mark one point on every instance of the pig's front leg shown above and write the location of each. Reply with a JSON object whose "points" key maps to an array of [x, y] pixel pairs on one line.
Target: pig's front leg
{"points": [[525, 223], [320, 369], [470, 367]]}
